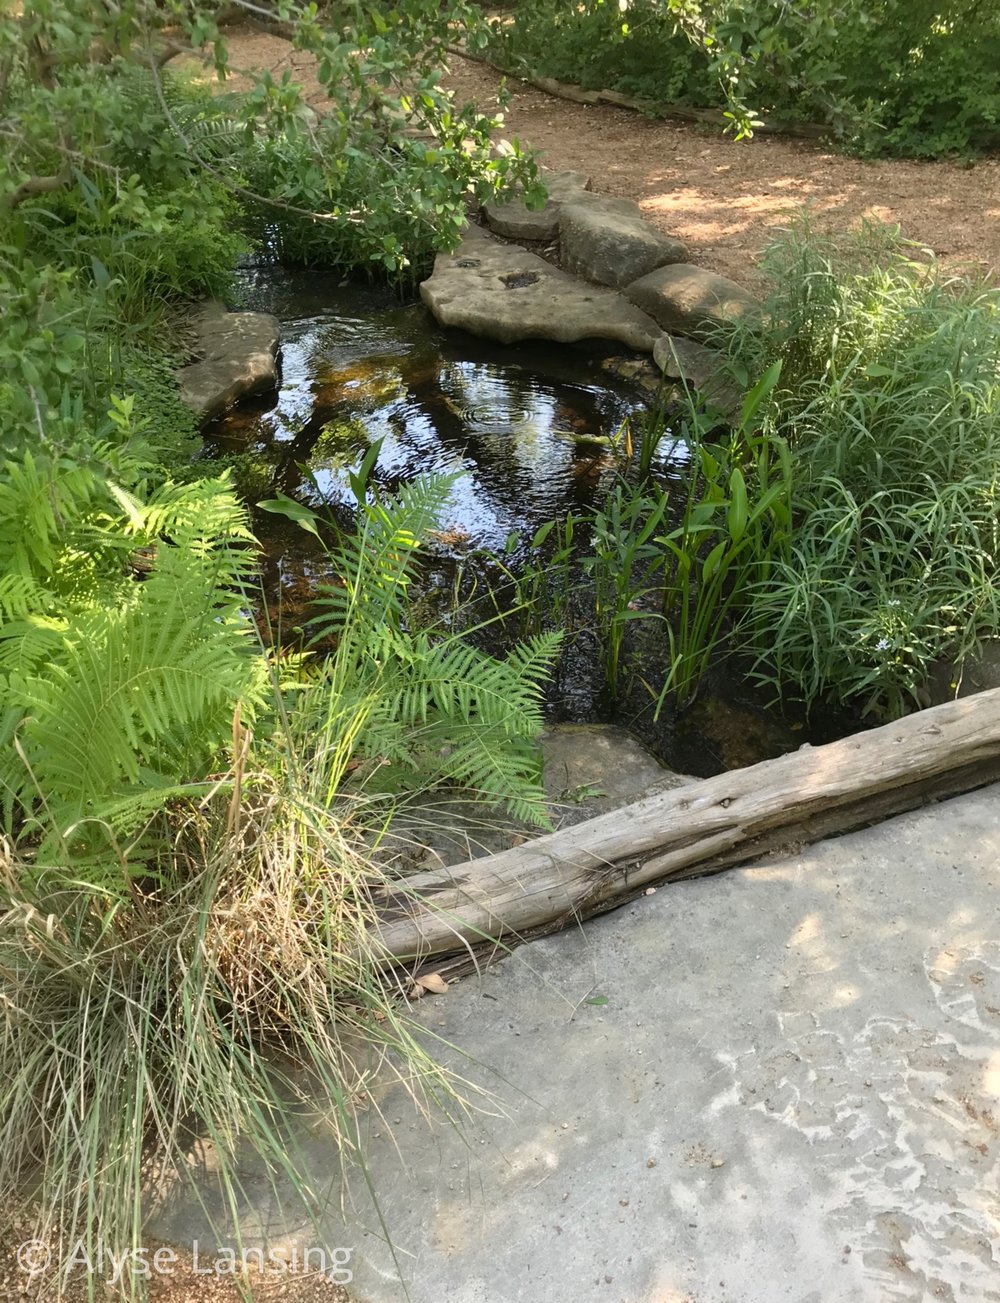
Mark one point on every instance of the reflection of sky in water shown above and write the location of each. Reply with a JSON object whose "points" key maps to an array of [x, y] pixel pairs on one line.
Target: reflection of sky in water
{"points": [[502, 419]]}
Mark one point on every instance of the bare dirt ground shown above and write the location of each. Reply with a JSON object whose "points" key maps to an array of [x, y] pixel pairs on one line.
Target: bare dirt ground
{"points": [[724, 200]]}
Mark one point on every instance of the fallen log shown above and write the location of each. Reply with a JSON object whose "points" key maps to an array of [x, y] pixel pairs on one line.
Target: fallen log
{"points": [[700, 828]]}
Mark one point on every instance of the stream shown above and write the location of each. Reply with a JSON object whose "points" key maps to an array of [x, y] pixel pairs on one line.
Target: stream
{"points": [[527, 431]]}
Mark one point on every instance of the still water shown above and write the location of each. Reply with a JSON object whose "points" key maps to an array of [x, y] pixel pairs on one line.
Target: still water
{"points": [[528, 431]]}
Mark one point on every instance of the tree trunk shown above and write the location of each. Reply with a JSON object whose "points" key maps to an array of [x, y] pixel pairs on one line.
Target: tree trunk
{"points": [[696, 829]]}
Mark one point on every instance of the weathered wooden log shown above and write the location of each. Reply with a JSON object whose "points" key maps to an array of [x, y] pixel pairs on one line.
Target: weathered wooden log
{"points": [[692, 830]]}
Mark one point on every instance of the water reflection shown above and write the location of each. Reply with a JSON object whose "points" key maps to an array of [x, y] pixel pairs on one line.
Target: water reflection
{"points": [[524, 429], [512, 423]]}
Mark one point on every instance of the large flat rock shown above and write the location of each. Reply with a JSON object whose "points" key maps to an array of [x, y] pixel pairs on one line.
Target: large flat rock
{"points": [[780, 1083], [607, 240], [237, 355], [688, 300], [502, 292], [515, 220]]}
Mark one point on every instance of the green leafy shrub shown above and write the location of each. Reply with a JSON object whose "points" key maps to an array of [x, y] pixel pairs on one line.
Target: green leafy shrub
{"points": [[639, 51], [904, 77], [123, 652]]}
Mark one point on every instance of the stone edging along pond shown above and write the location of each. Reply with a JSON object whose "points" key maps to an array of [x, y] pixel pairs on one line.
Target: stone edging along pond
{"points": [[618, 279]]}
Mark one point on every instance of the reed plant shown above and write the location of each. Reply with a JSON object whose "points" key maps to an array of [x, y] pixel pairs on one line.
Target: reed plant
{"points": [[890, 402], [734, 529], [622, 566]]}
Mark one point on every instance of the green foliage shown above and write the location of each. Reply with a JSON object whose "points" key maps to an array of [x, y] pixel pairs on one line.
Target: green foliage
{"points": [[907, 77], [123, 652], [621, 563], [641, 51], [912, 77], [141, 180], [684, 555], [169, 429], [416, 707], [890, 401], [146, 835], [249, 924], [733, 533], [383, 177]]}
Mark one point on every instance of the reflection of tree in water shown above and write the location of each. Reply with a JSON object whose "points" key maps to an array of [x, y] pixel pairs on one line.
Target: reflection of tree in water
{"points": [[438, 403]]}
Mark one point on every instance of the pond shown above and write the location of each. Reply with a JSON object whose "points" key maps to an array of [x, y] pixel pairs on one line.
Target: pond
{"points": [[529, 433]]}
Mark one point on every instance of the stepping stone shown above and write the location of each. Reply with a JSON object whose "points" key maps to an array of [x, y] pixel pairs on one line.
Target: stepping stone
{"points": [[702, 368], [502, 292], [607, 240], [513, 219], [687, 300], [237, 354]]}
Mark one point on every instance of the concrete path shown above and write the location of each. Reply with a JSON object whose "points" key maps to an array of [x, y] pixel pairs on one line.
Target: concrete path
{"points": [[781, 1083]]}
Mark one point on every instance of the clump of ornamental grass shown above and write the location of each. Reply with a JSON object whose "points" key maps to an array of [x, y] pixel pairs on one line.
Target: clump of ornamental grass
{"points": [[202, 961], [238, 986], [889, 400]]}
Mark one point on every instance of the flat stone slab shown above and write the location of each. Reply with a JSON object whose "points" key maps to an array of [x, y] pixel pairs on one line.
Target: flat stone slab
{"points": [[237, 355], [502, 292], [607, 240], [687, 300], [588, 769], [778, 1083], [515, 220]]}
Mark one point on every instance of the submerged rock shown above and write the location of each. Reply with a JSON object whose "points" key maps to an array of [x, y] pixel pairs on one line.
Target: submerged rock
{"points": [[502, 292], [237, 355], [607, 240], [687, 300], [515, 220]]}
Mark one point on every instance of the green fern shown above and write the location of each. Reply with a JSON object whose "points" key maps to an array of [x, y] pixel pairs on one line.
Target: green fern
{"points": [[117, 685], [417, 709], [375, 565]]}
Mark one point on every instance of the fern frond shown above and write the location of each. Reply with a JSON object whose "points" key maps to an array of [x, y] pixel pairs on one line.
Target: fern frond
{"points": [[375, 565], [125, 697]]}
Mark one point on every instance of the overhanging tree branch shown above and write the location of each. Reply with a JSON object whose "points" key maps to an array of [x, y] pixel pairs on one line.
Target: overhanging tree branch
{"points": [[34, 186]]}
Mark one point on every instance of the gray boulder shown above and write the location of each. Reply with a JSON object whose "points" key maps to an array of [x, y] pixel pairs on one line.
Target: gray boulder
{"points": [[237, 355], [514, 220], [502, 292], [702, 368], [687, 300], [607, 240]]}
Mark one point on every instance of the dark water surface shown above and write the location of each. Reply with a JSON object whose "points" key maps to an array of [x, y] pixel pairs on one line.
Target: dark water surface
{"points": [[516, 424], [358, 366]]}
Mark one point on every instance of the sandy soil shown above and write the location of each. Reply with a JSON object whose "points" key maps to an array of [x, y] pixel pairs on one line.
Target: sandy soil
{"points": [[724, 200]]}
